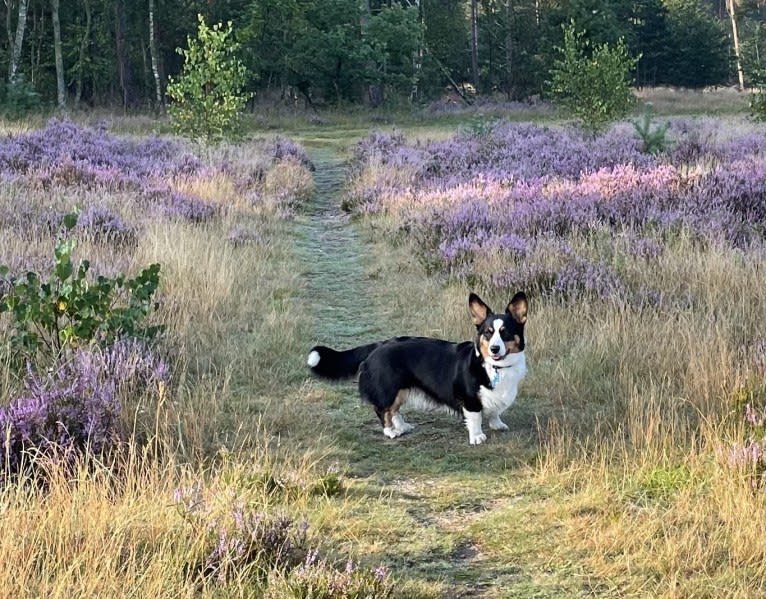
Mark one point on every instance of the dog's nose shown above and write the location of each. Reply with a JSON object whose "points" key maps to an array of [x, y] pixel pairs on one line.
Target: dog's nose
{"points": [[495, 349]]}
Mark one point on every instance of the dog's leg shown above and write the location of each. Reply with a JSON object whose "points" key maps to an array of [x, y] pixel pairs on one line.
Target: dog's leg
{"points": [[473, 424], [496, 424], [394, 424]]}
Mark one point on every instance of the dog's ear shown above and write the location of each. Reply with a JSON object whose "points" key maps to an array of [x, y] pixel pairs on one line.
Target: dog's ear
{"points": [[479, 310], [518, 307]]}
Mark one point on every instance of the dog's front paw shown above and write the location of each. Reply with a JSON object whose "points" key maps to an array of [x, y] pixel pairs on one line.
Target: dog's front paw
{"points": [[477, 439], [498, 425]]}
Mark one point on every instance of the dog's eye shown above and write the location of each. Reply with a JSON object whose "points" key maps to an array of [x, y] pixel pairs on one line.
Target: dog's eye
{"points": [[502, 330]]}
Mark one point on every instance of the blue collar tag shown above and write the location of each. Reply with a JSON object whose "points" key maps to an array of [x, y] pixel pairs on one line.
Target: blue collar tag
{"points": [[496, 378]]}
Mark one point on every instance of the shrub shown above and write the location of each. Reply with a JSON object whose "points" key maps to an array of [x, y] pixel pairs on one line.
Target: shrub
{"points": [[316, 579], [75, 410], [241, 540], [67, 309], [208, 97], [18, 98], [592, 84], [758, 103], [652, 136]]}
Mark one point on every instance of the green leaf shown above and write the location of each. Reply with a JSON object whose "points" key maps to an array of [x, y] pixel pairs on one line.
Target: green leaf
{"points": [[70, 221]]}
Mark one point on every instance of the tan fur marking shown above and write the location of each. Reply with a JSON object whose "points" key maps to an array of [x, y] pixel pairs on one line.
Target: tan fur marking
{"points": [[388, 415], [512, 346], [484, 346]]}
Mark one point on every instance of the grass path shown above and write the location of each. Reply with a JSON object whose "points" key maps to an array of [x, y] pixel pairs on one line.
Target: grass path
{"points": [[333, 257], [452, 520]]}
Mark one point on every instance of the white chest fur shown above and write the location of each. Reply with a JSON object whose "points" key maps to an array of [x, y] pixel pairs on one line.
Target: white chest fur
{"points": [[505, 384]]}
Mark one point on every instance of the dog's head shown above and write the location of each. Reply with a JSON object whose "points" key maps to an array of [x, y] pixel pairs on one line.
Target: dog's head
{"points": [[499, 336]]}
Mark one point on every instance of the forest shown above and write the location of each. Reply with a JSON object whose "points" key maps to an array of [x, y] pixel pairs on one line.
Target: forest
{"points": [[120, 53]]}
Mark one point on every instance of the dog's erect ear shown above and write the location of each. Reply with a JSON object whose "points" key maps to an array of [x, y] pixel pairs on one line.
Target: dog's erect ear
{"points": [[479, 310], [518, 307]]}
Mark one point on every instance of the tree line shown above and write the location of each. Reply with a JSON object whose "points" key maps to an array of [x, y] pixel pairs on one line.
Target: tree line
{"points": [[122, 52]]}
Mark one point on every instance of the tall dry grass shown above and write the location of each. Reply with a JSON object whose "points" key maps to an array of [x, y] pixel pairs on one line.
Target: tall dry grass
{"points": [[116, 528]]}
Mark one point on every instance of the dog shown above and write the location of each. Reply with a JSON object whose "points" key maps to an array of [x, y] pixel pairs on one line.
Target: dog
{"points": [[478, 378]]}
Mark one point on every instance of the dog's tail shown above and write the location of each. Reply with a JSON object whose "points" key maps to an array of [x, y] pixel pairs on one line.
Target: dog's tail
{"points": [[333, 364]]}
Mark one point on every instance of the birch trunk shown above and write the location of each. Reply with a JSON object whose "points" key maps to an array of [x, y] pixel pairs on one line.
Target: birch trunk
{"points": [[735, 35], [60, 88], [475, 44], [18, 42], [155, 58]]}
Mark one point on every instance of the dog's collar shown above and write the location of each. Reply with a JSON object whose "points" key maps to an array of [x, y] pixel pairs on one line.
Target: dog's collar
{"points": [[496, 379]]}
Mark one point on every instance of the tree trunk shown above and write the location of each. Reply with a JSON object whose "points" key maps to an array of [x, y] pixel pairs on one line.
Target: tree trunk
{"points": [[60, 89], [735, 36], [155, 58], [19, 41], [123, 66], [509, 48], [417, 59], [475, 44], [83, 51], [8, 24]]}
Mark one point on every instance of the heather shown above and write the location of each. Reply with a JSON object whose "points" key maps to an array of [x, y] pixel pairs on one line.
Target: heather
{"points": [[645, 332], [492, 208], [76, 409], [121, 183]]}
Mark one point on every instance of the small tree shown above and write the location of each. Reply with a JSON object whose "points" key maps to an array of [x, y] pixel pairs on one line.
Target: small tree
{"points": [[592, 84], [208, 98]]}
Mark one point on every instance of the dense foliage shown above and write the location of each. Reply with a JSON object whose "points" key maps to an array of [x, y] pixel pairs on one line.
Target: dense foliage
{"points": [[208, 97], [316, 51], [592, 84]]}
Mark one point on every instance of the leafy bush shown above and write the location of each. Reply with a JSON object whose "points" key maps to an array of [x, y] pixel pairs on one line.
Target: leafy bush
{"points": [[758, 103], [208, 97], [653, 136], [593, 84], [18, 98], [68, 309]]}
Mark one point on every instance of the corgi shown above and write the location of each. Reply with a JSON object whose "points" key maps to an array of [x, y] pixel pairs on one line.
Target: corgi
{"points": [[478, 378]]}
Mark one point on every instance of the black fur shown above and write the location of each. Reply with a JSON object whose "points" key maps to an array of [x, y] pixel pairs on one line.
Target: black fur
{"points": [[450, 374]]}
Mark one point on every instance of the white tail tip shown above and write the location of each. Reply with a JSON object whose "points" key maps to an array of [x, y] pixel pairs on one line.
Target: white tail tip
{"points": [[313, 359]]}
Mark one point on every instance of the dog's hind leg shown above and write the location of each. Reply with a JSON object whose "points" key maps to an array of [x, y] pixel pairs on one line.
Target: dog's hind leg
{"points": [[394, 424]]}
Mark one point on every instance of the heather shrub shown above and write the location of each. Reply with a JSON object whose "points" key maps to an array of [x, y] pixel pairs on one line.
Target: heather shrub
{"points": [[240, 541], [592, 84], [747, 455], [563, 214], [66, 309], [316, 579], [208, 97], [74, 410]]}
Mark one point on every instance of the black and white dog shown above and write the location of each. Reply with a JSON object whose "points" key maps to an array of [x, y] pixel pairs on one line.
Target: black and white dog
{"points": [[479, 377]]}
